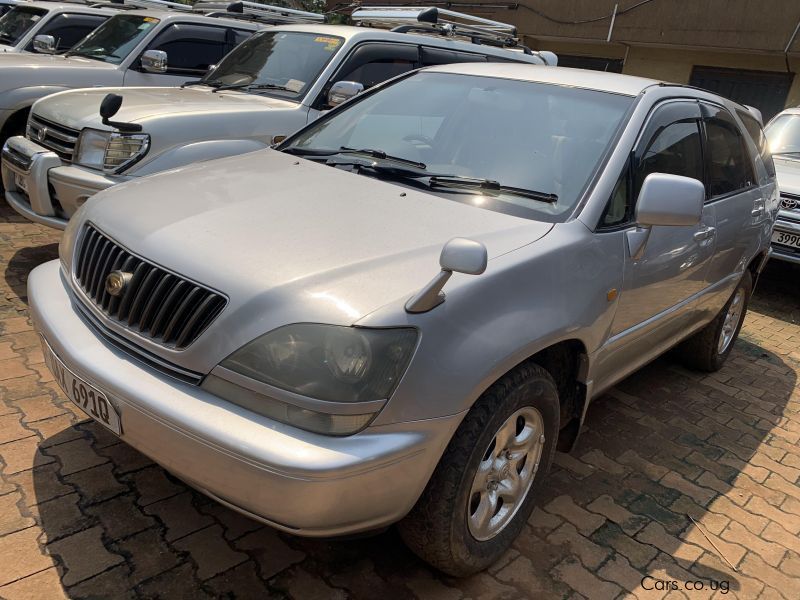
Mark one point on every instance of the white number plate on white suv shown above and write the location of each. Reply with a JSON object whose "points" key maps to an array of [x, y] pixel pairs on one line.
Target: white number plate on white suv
{"points": [[88, 398], [787, 239]]}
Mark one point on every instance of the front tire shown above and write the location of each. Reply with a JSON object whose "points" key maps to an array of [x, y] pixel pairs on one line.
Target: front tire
{"points": [[481, 493], [708, 349]]}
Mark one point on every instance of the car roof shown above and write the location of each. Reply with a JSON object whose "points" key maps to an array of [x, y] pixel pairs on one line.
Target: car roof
{"points": [[68, 7], [169, 15], [614, 83], [352, 32]]}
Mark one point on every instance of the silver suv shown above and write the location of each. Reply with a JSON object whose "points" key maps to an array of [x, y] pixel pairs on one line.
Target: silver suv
{"points": [[783, 133], [271, 85], [66, 23], [403, 311]]}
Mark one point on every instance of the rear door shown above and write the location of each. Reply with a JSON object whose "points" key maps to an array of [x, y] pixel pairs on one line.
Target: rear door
{"points": [[735, 197]]}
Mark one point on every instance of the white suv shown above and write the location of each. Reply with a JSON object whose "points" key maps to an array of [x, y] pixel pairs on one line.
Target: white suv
{"points": [[273, 84]]}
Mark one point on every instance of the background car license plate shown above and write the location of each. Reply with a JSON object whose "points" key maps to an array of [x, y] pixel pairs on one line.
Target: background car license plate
{"points": [[787, 239], [89, 399], [19, 180]]}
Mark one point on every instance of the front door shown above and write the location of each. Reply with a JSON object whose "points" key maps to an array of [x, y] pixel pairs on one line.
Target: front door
{"points": [[661, 282]]}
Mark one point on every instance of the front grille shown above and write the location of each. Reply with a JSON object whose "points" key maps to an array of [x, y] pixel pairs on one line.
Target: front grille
{"points": [[53, 136], [157, 304], [790, 202]]}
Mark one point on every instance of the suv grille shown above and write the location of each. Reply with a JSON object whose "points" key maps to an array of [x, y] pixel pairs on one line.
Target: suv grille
{"points": [[53, 136], [155, 303], [790, 202]]}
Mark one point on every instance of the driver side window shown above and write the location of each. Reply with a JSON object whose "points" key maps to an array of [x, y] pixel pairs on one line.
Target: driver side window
{"points": [[671, 144]]}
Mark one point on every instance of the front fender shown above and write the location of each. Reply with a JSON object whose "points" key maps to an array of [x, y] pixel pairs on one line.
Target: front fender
{"points": [[195, 152], [19, 99]]}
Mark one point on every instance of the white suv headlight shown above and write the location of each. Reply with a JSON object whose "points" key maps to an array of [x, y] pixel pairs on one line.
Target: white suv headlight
{"points": [[110, 151]]}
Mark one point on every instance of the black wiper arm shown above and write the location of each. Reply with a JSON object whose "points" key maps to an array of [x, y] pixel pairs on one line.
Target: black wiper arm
{"points": [[195, 82], [489, 185], [253, 86], [379, 154]]}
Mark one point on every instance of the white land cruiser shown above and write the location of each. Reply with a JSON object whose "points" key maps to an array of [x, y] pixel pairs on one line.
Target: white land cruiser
{"points": [[271, 85], [66, 23], [163, 44]]}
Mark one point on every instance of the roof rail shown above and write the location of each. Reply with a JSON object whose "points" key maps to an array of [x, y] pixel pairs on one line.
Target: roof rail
{"points": [[437, 20], [265, 13], [162, 4]]}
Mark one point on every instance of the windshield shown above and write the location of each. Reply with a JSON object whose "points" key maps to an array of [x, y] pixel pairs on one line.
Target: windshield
{"points": [[115, 39], [283, 64], [783, 134], [510, 146], [17, 22]]}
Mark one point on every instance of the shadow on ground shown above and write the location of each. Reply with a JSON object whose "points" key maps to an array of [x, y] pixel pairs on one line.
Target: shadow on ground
{"points": [[22, 262]]}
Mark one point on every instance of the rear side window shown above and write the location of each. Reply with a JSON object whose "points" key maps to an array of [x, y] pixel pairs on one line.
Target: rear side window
{"points": [[68, 29], [754, 130], [192, 49], [729, 165]]}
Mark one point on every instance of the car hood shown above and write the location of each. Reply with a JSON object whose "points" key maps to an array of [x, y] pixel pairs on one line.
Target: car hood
{"points": [[80, 108], [5, 48], [288, 240], [21, 69], [788, 172]]}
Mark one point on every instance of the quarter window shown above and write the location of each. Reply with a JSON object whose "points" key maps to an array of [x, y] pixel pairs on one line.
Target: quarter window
{"points": [[371, 64], [192, 49], [755, 131]]}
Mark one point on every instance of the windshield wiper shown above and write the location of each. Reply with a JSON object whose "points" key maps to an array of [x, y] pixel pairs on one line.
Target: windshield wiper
{"points": [[792, 153], [461, 181], [379, 154], [253, 86]]}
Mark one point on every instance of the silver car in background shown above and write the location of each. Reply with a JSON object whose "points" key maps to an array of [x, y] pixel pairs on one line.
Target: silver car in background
{"points": [[402, 312], [783, 133]]}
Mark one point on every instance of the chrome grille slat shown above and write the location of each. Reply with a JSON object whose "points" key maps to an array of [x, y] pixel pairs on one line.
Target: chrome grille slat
{"points": [[58, 138], [155, 304]]}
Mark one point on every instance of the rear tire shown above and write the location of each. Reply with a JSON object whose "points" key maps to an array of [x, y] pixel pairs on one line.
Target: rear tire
{"points": [[708, 349], [482, 491]]}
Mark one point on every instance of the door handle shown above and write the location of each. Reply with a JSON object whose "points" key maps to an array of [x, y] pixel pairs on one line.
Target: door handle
{"points": [[705, 234], [757, 212]]}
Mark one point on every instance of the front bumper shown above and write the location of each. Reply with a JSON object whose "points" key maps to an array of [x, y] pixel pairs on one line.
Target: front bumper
{"points": [[42, 188], [788, 222], [297, 481]]}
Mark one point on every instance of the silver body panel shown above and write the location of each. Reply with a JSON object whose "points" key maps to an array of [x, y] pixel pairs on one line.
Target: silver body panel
{"points": [[291, 241]]}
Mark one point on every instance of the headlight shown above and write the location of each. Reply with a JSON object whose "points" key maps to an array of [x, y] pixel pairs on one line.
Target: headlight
{"points": [[324, 362], [110, 150]]}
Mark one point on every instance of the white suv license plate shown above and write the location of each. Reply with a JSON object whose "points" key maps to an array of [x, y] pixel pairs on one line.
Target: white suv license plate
{"points": [[787, 239], [88, 398]]}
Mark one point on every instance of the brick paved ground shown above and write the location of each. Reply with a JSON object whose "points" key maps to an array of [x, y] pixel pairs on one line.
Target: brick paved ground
{"points": [[83, 515]]}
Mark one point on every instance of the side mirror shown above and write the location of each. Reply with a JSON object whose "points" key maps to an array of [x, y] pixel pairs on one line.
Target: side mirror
{"points": [[670, 200], [44, 44], [342, 91], [459, 255], [154, 61]]}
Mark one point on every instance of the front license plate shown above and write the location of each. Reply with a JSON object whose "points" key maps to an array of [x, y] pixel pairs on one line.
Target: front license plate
{"points": [[88, 398], [19, 181], [787, 239]]}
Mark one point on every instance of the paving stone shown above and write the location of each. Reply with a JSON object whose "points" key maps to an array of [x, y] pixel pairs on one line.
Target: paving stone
{"points": [[22, 455], [12, 429], [637, 553], [178, 515], [271, 553], [59, 517], [148, 554], [209, 550], [11, 519], [121, 517], [21, 555], [606, 506], [589, 553], [96, 483], [179, 583], [655, 535], [302, 584], [83, 555], [585, 521], [242, 583], [584, 582], [43, 585], [153, 485], [113, 583], [75, 456]]}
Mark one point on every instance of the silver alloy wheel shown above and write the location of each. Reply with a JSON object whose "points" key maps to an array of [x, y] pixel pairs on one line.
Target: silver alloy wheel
{"points": [[732, 318], [505, 473]]}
